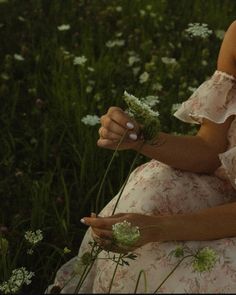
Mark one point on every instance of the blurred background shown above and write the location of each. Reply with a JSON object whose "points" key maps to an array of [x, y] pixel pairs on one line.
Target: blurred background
{"points": [[62, 65]]}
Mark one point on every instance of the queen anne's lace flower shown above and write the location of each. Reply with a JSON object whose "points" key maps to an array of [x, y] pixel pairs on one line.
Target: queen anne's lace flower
{"points": [[19, 277], [198, 30], [79, 60], [91, 120], [204, 260], [34, 237], [125, 234], [64, 27]]}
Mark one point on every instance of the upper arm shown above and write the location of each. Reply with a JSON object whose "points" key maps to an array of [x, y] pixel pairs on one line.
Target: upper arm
{"points": [[215, 135], [227, 55]]}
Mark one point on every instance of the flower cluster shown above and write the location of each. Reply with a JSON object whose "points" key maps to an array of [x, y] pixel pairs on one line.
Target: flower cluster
{"points": [[125, 234], [79, 60], [34, 237], [204, 260], [19, 277], [144, 115], [198, 30], [91, 120]]}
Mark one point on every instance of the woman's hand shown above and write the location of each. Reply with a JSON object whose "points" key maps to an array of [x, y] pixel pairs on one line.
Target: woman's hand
{"points": [[114, 124], [149, 227]]}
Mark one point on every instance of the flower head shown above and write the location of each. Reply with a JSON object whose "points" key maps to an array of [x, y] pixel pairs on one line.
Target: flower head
{"points": [[64, 27], [198, 30], [125, 234], [144, 115], [79, 60], [34, 237], [91, 120], [204, 260], [19, 277], [18, 57]]}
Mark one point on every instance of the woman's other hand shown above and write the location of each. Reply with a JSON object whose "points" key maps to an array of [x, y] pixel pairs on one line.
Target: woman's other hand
{"points": [[114, 124]]}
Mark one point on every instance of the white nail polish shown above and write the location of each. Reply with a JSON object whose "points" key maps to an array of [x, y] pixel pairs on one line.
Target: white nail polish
{"points": [[130, 125], [82, 220], [133, 136]]}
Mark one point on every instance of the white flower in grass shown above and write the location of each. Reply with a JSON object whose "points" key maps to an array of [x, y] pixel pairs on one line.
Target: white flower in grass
{"points": [[19, 277], [113, 43], [34, 237], [150, 100], [133, 59], [91, 120], [175, 107], [18, 57], [143, 78], [125, 234], [198, 30], [135, 71], [204, 260], [79, 60], [169, 60], [64, 27], [192, 89], [119, 8]]}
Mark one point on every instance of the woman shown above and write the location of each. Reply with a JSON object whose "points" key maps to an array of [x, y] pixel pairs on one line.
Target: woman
{"points": [[184, 195]]}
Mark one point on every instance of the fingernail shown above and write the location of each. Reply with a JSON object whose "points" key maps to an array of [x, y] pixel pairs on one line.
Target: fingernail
{"points": [[82, 220], [130, 125], [133, 136]]}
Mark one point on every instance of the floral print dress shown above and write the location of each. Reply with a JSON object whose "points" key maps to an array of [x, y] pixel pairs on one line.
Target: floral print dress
{"points": [[155, 188]]}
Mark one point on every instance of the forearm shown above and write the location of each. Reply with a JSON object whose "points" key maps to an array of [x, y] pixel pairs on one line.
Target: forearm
{"points": [[208, 224], [190, 153]]}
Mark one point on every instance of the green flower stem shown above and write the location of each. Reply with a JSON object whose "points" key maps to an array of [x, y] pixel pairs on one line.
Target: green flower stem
{"points": [[126, 180], [166, 278], [105, 174], [117, 263], [142, 272]]}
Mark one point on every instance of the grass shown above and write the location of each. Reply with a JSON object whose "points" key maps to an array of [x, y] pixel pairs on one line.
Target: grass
{"points": [[50, 166]]}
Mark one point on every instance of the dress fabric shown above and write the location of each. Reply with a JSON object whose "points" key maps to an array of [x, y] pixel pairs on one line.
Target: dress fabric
{"points": [[155, 188]]}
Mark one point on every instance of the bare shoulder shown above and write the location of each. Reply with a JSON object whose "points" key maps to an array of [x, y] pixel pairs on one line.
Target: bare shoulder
{"points": [[227, 55]]}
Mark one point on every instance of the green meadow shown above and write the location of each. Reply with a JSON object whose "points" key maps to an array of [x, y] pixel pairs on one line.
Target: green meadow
{"points": [[61, 61]]}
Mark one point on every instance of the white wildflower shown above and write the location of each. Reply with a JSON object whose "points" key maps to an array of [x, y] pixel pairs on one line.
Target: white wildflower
{"points": [[90, 69], [18, 57], [133, 59], [119, 8], [125, 234], [19, 277], [157, 86], [30, 251], [91, 120], [143, 78], [116, 42], [220, 34], [198, 30], [136, 70], [192, 89], [33, 237], [169, 60], [175, 107], [150, 100], [64, 27], [79, 60], [21, 18], [89, 89], [142, 12]]}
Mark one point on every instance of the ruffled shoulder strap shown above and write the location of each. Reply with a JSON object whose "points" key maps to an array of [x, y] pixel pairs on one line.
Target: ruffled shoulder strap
{"points": [[215, 99]]}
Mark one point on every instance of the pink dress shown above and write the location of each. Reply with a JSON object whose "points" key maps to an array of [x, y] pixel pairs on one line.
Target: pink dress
{"points": [[155, 188]]}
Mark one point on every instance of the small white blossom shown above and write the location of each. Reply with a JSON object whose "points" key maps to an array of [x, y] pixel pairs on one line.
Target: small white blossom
{"points": [[136, 71], [33, 237], [90, 69], [19, 277], [192, 89], [143, 78], [157, 86], [119, 8], [79, 60], [64, 27], [175, 107], [116, 42], [169, 60], [198, 30], [133, 59], [18, 57], [91, 120], [150, 100]]}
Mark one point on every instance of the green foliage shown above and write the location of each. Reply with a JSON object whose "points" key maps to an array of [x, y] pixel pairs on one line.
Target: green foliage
{"points": [[50, 165]]}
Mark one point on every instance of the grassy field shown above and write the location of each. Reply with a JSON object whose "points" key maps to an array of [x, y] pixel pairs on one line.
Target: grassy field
{"points": [[63, 60]]}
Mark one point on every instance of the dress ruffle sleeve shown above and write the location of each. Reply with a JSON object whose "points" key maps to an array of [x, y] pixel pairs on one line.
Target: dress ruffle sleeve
{"points": [[215, 100]]}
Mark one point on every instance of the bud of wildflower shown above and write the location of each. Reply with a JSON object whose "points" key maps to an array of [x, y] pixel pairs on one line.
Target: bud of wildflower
{"points": [[204, 260], [144, 115], [125, 234], [178, 252]]}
